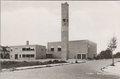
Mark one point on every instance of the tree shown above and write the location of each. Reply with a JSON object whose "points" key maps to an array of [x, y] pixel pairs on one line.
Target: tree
{"points": [[6, 53], [105, 54], [112, 46], [117, 55]]}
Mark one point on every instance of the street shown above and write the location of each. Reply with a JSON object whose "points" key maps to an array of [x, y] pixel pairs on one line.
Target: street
{"points": [[88, 70]]}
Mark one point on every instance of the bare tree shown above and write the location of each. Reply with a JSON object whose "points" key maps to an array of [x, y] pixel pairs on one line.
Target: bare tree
{"points": [[112, 46]]}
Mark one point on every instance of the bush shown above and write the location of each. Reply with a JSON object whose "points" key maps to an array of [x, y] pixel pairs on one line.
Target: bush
{"points": [[90, 58], [12, 64], [107, 54], [50, 62], [76, 61], [61, 61], [117, 55], [55, 61]]}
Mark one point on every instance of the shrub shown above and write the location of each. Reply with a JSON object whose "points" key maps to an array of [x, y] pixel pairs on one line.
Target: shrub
{"points": [[12, 64], [55, 61], [76, 61], [50, 62]]}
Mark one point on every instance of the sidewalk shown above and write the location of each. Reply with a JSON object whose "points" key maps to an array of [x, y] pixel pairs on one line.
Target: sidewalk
{"points": [[113, 69]]}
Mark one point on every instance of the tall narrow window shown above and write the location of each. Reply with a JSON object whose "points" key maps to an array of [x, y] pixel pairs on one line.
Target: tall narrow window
{"points": [[19, 56], [16, 56]]}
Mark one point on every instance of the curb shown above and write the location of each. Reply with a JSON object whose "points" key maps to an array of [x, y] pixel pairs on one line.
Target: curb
{"points": [[37, 66]]}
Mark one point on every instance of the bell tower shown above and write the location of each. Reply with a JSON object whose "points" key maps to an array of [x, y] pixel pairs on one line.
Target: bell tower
{"points": [[65, 30]]}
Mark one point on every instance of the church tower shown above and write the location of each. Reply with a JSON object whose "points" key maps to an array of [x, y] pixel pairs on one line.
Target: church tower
{"points": [[65, 30]]}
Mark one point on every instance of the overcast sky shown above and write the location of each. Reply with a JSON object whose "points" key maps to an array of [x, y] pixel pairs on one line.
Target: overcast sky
{"points": [[40, 22]]}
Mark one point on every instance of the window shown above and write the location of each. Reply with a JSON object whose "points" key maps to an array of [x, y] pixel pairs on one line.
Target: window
{"points": [[23, 49], [32, 55], [20, 56], [23, 55], [16, 56], [63, 20], [49, 56], [28, 49], [79, 56], [59, 49], [83, 56], [28, 55], [52, 49]]}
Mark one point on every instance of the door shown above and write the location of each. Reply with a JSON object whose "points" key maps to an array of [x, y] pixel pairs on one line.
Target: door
{"points": [[78, 56], [83, 56], [16, 56]]}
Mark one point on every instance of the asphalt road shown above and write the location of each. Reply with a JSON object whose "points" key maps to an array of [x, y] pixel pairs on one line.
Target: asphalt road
{"points": [[88, 70]]}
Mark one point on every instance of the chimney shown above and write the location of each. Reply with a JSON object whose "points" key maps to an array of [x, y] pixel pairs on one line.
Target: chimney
{"points": [[27, 42]]}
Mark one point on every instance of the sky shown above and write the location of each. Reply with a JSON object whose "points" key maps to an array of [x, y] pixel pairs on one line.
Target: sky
{"points": [[40, 22]]}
